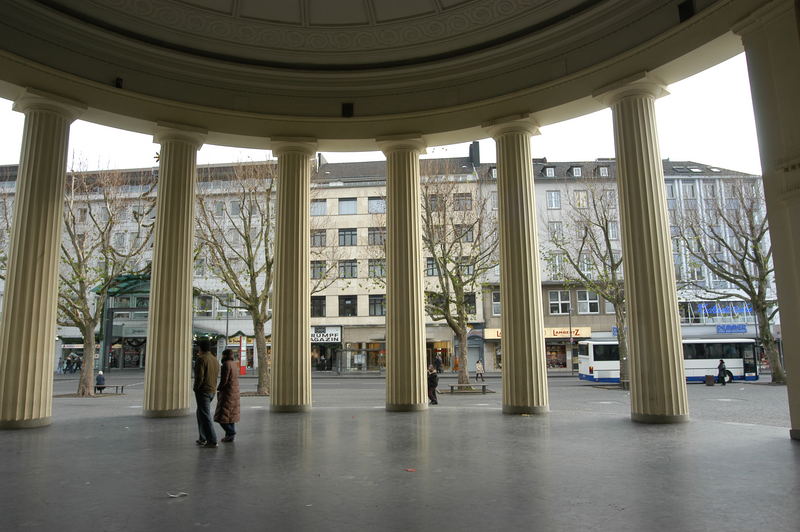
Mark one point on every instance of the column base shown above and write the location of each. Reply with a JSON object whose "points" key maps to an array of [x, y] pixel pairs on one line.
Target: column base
{"points": [[26, 423], [396, 407], [290, 408], [178, 412], [516, 410], [794, 434], [659, 419]]}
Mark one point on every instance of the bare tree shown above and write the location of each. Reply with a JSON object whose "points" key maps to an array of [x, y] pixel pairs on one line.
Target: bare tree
{"points": [[584, 252], [459, 234], [730, 238], [235, 235], [107, 225]]}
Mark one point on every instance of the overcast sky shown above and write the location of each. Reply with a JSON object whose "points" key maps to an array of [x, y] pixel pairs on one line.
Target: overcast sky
{"points": [[707, 118]]}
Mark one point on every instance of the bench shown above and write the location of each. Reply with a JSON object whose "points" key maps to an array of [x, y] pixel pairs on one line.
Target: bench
{"points": [[458, 385], [118, 388]]}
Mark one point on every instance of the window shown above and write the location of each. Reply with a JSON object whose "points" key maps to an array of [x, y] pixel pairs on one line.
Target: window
{"points": [[318, 238], [376, 206], [348, 306], [585, 264], [219, 208], [555, 229], [466, 266], [462, 201], [377, 305], [465, 233], [613, 230], [469, 303], [317, 306], [557, 265], [609, 307], [610, 198], [119, 241], [431, 268], [347, 205], [576, 171], [549, 171], [347, 237], [142, 302], [496, 307], [376, 236], [318, 268], [559, 301], [200, 267], [588, 302], [581, 199], [604, 171], [434, 202], [493, 199], [82, 214], [670, 191], [553, 199], [319, 207], [202, 306], [377, 268], [236, 208], [348, 269]]}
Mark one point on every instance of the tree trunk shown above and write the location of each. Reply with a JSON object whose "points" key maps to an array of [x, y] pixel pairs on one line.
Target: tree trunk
{"points": [[263, 357], [770, 348], [86, 380], [622, 341], [463, 368]]}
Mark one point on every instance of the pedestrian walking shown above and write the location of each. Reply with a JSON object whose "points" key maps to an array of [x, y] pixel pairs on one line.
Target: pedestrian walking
{"points": [[479, 371], [206, 371], [99, 382], [721, 372], [228, 408], [433, 382], [438, 363]]}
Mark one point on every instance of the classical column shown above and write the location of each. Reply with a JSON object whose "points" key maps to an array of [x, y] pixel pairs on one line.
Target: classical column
{"points": [[169, 322], [524, 371], [658, 384], [406, 381], [772, 45], [28, 330], [291, 299]]}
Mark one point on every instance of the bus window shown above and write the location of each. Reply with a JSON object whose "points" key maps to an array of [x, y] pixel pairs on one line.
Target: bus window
{"points": [[583, 350], [732, 351], [715, 351], [606, 352]]}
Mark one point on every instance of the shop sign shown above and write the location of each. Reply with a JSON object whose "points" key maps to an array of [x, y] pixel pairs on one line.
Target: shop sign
{"points": [[563, 332], [732, 329], [326, 335], [491, 334], [133, 332]]}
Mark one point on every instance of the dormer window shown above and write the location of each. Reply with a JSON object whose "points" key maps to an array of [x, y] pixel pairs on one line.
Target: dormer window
{"points": [[695, 169], [681, 169], [549, 171], [604, 171], [576, 171]]}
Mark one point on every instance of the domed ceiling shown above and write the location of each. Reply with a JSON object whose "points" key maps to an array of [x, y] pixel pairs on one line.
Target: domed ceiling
{"points": [[324, 34]]}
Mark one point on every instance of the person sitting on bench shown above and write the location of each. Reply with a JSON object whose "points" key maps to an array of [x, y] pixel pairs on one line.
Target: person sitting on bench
{"points": [[100, 382]]}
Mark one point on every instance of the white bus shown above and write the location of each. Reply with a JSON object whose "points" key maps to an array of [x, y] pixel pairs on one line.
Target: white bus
{"points": [[598, 361]]}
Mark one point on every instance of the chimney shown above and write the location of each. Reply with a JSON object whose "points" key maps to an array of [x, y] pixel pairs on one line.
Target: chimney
{"points": [[475, 153]]}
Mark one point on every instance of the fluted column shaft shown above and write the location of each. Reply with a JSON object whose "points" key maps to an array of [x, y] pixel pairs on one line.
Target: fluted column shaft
{"points": [[524, 371], [658, 384], [28, 327], [406, 380], [291, 299], [771, 40], [169, 321]]}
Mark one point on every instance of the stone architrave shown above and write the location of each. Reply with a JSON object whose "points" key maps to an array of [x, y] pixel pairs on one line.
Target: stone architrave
{"points": [[30, 301], [169, 320], [406, 381], [524, 371], [291, 298], [658, 383]]}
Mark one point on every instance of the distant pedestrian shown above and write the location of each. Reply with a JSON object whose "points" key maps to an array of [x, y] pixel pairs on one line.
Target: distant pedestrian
{"points": [[100, 382], [228, 409], [438, 363], [433, 382], [721, 372], [479, 371], [206, 371]]}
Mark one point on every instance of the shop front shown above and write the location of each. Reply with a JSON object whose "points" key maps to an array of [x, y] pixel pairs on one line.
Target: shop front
{"points": [[326, 345], [559, 343]]}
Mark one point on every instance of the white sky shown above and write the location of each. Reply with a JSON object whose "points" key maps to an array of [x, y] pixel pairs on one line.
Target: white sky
{"points": [[707, 118]]}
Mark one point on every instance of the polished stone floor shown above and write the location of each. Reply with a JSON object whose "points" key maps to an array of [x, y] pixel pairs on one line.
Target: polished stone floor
{"points": [[350, 465]]}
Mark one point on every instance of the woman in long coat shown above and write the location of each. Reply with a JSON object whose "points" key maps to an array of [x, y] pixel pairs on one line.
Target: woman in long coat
{"points": [[227, 412]]}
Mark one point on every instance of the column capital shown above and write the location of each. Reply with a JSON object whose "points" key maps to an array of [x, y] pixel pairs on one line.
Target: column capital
{"points": [[521, 123], [765, 14], [409, 142], [305, 145], [642, 84], [34, 99], [168, 131]]}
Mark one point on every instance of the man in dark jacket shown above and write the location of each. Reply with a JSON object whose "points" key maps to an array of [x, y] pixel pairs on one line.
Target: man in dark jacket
{"points": [[433, 382], [206, 372], [721, 372]]}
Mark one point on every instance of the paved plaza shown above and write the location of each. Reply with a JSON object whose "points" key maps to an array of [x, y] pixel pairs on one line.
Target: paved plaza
{"points": [[462, 465]]}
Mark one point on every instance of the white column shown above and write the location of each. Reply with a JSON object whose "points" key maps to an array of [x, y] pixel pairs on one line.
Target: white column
{"points": [[406, 380], [772, 45], [28, 330], [524, 371], [169, 321], [658, 384], [291, 298]]}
